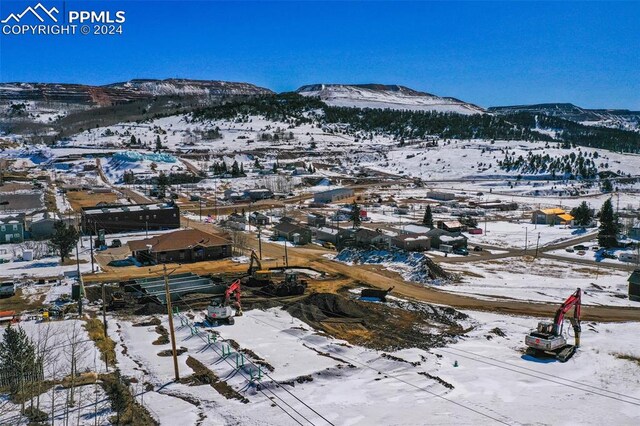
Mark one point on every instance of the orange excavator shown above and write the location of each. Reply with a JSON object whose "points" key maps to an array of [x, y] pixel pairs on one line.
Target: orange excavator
{"points": [[223, 309], [548, 338]]}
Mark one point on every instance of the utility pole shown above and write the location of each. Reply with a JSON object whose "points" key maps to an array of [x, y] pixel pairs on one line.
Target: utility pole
{"points": [[260, 241], [104, 323], [537, 244], [286, 256], [215, 198], [91, 246], [170, 311], [526, 238], [80, 290]]}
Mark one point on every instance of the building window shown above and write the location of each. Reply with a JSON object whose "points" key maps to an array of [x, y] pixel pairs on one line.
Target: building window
{"points": [[140, 217], [154, 216], [174, 215], [15, 227], [163, 257], [2, 228], [182, 254]]}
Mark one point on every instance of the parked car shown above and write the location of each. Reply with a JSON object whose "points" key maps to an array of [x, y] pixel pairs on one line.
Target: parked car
{"points": [[477, 248], [580, 247], [328, 245], [581, 252], [116, 243], [609, 255], [7, 289], [461, 250], [595, 248], [569, 250]]}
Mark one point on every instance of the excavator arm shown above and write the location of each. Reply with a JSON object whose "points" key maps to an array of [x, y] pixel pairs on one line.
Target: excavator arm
{"points": [[574, 301], [234, 290], [256, 260]]}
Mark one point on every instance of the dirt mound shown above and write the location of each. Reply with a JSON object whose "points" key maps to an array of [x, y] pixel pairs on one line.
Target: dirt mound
{"points": [[435, 270], [384, 326], [322, 306], [151, 309]]}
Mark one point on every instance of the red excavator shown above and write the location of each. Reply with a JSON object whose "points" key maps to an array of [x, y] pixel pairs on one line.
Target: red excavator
{"points": [[548, 339], [222, 309]]}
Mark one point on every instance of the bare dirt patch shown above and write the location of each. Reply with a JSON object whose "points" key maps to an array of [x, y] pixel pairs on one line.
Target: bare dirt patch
{"points": [[79, 199], [202, 375]]}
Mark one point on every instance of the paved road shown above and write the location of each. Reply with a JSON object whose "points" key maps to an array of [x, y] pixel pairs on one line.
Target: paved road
{"points": [[130, 194]]}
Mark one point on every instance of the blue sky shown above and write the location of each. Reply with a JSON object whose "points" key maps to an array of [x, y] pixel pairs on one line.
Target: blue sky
{"points": [[489, 53]]}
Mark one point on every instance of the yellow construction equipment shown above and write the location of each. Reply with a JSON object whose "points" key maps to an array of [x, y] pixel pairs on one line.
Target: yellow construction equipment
{"points": [[257, 275]]}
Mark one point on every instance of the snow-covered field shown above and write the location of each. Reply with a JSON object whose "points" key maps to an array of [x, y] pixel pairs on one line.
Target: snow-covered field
{"points": [[524, 234], [357, 386], [540, 280]]}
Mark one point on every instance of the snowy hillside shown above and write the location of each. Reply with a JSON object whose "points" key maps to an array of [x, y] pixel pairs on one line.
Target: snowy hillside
{"points": [[613, 118], [53, 93], [187, 87], [386, 97]]}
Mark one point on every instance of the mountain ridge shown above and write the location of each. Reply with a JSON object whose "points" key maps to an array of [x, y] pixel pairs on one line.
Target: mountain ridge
{"points": [[386, 96]]}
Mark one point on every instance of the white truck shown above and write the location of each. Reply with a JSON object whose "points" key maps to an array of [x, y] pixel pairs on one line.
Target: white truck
{"points": [[446, 248]]}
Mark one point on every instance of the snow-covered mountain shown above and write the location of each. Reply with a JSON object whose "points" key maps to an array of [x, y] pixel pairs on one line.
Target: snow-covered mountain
{"points": [[186, 87], [122, 92], [386, 97], [614, 118], [65, 93]]}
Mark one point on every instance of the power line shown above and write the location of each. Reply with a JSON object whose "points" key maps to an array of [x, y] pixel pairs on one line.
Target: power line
{"points": [[541, 378], [270, 391], [397, 378], [261, 391], [525, 368]]}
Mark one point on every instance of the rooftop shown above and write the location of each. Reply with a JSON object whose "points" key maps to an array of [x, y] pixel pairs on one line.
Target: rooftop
{"points": [[117, 208], [179, 240], [553, 211]]}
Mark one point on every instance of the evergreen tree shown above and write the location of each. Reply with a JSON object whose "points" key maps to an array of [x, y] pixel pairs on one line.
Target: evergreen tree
{"points": [[607, 236], [129, 178], [133, 140], [242, 169], [256, 164], [582, 214], [606, 186], [163, 183], [18, 359], [63, 239], [158, 144], [235, 169], [469, 221], [355, 214], [427, 220]]}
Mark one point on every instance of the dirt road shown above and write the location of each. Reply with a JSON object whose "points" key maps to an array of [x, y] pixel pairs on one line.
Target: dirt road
{"points": [[376, 276]]}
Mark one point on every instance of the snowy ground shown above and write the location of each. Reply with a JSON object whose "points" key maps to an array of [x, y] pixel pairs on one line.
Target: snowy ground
{"points": [[493, 380], [541, 280], [523, 234]]}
